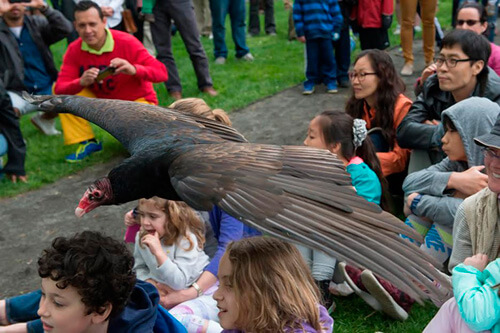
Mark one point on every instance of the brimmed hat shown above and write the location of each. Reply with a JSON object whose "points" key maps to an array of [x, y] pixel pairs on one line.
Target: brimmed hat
{"points": [[492, 139]]}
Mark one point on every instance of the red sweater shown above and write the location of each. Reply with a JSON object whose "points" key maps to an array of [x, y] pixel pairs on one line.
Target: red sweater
{"points": [[120, 86]]}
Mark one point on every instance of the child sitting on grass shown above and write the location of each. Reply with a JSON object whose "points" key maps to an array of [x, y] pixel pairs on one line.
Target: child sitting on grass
{"points": [[87, 286], [169, 247], [476, 305], [265, 286]]}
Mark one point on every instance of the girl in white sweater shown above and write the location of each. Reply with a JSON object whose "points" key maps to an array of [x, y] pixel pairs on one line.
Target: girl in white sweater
{"points": [[169, 247]]}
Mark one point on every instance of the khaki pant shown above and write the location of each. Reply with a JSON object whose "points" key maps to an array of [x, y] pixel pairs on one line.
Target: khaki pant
{"points": [[76, 129], [203, 16], [427, 12]]}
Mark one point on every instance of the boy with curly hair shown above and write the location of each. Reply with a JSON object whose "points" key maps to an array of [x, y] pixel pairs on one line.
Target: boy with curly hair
{"points": [[88, 285]]}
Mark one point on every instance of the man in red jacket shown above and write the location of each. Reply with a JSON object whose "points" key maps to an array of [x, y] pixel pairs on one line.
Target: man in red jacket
{"points": [[133, 71]]}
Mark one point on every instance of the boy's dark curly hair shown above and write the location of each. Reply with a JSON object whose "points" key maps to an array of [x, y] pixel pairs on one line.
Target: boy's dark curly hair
{"points": [[99, 267]]}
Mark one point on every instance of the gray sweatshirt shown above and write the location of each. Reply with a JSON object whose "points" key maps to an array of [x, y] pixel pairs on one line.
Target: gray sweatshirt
{"points": [[472, 117]]}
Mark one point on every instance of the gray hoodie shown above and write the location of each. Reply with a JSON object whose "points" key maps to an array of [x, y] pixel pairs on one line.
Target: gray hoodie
{"points": [[472, 117]]}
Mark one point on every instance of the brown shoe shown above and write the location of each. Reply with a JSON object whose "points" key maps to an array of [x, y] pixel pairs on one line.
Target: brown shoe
{"points": [[210, 90], [177, 95]]}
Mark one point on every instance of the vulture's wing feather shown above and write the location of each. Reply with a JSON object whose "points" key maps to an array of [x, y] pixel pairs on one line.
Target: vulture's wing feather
{"points": [[295, 193], [136, 125], [304, 195]]}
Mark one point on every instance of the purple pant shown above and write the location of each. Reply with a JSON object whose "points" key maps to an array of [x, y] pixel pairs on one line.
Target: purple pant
{"points": [[448, 320]]}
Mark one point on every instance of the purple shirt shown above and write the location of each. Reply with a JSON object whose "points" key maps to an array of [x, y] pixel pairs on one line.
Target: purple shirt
{"points": [[324, 318]]}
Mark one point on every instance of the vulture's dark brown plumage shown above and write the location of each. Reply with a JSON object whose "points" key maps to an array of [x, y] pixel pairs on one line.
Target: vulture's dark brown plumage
{"points": [[291, 192]]}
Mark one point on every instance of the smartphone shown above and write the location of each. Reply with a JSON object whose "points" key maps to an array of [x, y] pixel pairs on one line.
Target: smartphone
{"points": [[104, 73], [17, 1]]}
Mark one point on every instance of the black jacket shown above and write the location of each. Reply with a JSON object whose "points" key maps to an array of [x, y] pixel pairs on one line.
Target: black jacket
{"points": [[9, 127], [45, 31], [429, 105]]}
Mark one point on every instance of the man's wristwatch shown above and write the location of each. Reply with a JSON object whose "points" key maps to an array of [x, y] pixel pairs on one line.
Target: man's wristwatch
{"points": [[197, 288]]}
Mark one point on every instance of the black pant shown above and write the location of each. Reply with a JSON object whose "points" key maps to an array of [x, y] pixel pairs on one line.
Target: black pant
{"points": [[254, 22], [373, 38], [182, 12]]}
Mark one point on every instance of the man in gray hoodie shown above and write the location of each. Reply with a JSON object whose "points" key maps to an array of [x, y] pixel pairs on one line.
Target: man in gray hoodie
{"points": [[434, 194]]}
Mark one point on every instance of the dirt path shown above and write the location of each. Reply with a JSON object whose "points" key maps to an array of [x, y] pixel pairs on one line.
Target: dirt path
{"points": [[30, 221]]}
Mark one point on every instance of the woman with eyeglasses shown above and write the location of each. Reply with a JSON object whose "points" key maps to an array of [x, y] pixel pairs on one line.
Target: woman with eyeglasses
{"points": [[377, 98], [470, 16]]}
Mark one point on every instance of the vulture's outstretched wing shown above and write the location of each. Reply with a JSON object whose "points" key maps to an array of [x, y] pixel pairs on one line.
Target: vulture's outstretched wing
{"points": [[291, 192], [139, 126], [295, 193]]}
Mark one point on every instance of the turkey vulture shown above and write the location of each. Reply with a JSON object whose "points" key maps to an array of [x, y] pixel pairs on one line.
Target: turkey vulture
{"points": [[290, 192]]}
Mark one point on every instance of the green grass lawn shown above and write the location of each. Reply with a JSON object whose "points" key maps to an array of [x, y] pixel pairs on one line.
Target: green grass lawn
{"points": [[278, 64]]}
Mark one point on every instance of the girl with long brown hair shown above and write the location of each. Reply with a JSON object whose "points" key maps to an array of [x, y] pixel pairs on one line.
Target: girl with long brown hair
{"points": [[265, 286]]}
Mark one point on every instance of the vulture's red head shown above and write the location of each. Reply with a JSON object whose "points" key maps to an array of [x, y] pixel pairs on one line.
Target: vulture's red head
{"points": [[99, 193]]}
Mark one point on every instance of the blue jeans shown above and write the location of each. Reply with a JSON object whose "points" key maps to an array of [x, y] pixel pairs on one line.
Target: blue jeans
{"points": [[236, 11], [320, 61], [23, 309]]}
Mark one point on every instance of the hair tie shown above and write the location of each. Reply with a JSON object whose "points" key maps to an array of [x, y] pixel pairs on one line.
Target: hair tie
{"points": [[359, 132]]}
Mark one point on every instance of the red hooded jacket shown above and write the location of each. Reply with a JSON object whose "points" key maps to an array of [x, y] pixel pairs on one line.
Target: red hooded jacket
{"points": [[368, 13]]}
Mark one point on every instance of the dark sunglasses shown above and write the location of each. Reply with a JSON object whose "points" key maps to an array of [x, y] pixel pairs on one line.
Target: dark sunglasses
{"points": [[470, 23]]}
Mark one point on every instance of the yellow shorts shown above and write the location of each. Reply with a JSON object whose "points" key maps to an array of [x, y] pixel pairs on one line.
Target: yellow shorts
{"points": [[76, 129]]}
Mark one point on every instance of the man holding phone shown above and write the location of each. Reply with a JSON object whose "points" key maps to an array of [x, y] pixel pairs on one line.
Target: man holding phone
{"points": [[103, 63], [27, 60]]}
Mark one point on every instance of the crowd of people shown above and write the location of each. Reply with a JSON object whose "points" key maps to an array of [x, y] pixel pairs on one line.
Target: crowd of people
{"points": [[435, 160]]}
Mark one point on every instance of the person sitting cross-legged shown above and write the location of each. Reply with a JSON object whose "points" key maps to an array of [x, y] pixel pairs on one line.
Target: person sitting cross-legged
{"points": [[133, 72]]}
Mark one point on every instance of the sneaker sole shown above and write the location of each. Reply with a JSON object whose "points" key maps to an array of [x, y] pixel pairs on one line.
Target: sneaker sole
{"points": [[389, 305], [369, 299], [332, 91]]}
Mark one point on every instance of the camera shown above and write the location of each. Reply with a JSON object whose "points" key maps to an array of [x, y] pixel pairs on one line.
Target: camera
{"points": [[104, 73]]}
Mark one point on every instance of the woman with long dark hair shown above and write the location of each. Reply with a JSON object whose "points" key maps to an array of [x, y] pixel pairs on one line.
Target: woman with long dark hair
{"points": [[377, 98]]}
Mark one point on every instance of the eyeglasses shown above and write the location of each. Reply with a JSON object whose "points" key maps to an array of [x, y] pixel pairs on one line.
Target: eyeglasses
{"points": [[450, 63], [490, 153], [359, 76], [470, 23]]}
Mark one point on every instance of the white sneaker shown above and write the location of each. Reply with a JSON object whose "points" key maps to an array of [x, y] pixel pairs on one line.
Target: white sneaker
{"points": [[248, 57], [220, 60], [397, 31], [369, 299], [389, 305], [407, 69], [340, 289], [46, 126]]}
